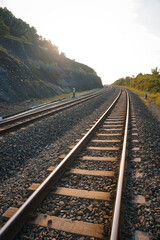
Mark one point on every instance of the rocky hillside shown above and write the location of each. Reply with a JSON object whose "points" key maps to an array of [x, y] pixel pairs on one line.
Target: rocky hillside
{"points": [[31, 67], [28, 71]]}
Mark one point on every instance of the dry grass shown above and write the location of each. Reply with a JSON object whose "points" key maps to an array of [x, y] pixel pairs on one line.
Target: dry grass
{"points": [[145, 100], [157, 101], [150, 95], [59, 97]]}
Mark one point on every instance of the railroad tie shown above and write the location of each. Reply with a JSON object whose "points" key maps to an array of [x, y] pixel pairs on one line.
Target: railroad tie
{"points": [[113, 125], [75, 192], [100, 148], [90, 158], [113, 121], [63, 224], [102, 141], [109, 134], [88, 172], [113, 129], [103, 148]]}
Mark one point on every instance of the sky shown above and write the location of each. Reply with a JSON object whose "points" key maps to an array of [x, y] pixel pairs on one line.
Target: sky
{"points": [[117, 38]]}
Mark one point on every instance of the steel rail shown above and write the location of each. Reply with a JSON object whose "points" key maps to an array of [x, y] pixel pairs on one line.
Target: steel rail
{"points": [[116, 215], [51, 104], [26, 114], [15, 223], [53, 111]]}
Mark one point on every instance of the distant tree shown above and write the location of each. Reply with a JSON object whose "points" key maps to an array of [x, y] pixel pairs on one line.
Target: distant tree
{"points": [[155, 71], [142, 82], [140, 74]]}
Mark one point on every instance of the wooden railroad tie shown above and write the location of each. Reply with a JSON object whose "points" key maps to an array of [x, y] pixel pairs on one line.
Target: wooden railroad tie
{"points": [[63, 224], [90, 158]]}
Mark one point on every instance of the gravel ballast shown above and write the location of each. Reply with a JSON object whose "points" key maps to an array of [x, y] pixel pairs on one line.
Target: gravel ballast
{"points": [[141, 197], [27, 153], [80, 209]]}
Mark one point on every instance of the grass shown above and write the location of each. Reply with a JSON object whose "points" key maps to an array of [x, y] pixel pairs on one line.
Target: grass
{"points": [[149, 95], [145, 100], [157, 102], [61, 96], [18, 39], [3, 49], [11, 108]]}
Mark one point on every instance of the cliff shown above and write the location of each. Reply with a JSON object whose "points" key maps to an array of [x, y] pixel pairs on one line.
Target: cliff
{"points": [[29, 71]]}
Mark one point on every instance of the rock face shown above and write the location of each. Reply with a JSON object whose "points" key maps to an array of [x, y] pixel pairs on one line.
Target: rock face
{"points": [[28, 71]]}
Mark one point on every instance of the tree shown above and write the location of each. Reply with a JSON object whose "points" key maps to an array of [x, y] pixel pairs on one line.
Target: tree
{"points": [[155, 71]]}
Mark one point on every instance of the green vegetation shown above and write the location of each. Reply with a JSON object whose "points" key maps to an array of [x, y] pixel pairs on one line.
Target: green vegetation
{"points": [[141, 82], [3, 50], [13, 27], [17, 29], [60, 97], [150, 95], [157, 102]]}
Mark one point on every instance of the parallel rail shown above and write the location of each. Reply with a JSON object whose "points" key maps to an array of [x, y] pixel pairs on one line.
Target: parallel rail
{"points": [[15, 223], [117, 208], [6, 126]]}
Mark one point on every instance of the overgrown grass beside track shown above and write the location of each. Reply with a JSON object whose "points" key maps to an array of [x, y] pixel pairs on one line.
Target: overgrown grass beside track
{"points": [[150, 95]]}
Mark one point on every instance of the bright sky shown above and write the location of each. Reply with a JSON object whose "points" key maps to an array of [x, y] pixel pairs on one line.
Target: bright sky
{"points": [[117, 38]]}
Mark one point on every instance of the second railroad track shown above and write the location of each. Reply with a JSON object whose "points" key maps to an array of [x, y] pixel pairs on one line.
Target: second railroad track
{"points": [[23, 119]]}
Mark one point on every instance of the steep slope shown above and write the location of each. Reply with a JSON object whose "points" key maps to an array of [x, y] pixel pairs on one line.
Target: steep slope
{"points": [[31, 67], [27, 71]]}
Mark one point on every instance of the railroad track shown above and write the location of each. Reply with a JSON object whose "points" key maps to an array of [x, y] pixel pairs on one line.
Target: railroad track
{"points": [[80, 193], [25, 118]]}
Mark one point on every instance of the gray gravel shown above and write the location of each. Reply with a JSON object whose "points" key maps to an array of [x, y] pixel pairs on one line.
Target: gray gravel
{"points": [[94, 165], [27, 153], [93, 211], [42, 145], [90, 183], [143, 217], [77, 209]]}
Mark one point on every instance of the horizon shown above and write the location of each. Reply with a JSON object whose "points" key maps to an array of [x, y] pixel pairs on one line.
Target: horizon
{"points": [[116, 39]]}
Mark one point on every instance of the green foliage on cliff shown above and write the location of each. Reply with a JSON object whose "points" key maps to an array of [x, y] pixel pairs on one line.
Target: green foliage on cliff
{"points": [[4, 29], [142, 82], [17, 29]]}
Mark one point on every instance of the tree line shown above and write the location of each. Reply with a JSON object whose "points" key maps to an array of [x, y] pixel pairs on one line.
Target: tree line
{"points": [[142, 81]]}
